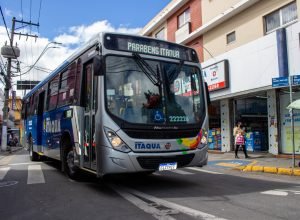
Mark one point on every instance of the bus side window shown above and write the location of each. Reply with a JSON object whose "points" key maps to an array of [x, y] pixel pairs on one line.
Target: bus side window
{"points": [[35, 103], [31, 109], [24, 108], [52, 93], [66, 87], [78, 82], [87, 87], [28, 107]]}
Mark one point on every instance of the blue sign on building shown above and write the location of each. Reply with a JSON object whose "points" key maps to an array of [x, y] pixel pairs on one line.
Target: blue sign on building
{"points": [[280, 81], [296, 80]]}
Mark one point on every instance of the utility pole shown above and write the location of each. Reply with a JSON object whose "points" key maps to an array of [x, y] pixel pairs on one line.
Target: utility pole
{"points": [[6, 91], [10, 53]]}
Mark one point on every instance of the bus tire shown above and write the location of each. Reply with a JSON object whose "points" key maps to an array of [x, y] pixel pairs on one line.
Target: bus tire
{"points": [[33, 155], [70, 168]]}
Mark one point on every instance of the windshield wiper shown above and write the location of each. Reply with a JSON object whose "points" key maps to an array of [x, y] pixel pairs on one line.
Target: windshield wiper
{"points": [[147, 69]]}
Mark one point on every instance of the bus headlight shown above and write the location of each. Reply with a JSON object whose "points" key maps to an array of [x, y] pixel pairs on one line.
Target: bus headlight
{"points": [[115, 141], [203, 140]]}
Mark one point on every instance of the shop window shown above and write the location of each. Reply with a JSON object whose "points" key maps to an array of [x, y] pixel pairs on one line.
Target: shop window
{"points": [[230, 38], [66, 87], [281, 17], [184, 18], [52, 93], [252, 106]]}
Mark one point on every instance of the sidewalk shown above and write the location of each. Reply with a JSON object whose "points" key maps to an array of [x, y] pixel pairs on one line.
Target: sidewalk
{"points": [[258, 162], [6, 153]]}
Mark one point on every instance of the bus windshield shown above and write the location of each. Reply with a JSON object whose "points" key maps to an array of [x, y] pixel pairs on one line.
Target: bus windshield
{"points": [[147, 91]]}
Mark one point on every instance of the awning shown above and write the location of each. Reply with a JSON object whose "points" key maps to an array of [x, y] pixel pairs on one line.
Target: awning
{"points": [[294, 105]]}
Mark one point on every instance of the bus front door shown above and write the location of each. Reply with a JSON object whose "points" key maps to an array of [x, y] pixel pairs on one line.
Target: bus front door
{"points": [[89, 84]]}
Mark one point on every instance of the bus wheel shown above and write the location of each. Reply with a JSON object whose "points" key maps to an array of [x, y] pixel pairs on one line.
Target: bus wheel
{"points": [[71, 169], [33, 155]]}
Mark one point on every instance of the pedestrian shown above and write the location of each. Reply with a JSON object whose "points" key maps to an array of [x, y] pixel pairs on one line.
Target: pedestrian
{"points": [[239, 139], [10, 142]]}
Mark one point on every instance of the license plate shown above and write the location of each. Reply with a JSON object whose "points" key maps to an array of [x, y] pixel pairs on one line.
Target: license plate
{"points": [[167, 166]]}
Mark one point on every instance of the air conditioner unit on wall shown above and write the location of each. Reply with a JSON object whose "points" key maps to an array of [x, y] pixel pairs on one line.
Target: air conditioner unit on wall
{"points": [[183, 32]]}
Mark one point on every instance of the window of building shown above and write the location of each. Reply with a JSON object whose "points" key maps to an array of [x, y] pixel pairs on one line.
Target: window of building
{"points": [[184, 18], [67, 84], [281, 17], [160, 34], [230, 37]]}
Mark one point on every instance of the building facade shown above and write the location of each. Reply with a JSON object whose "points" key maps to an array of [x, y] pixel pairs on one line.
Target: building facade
{"points": [[244, 47], [14, 123]]}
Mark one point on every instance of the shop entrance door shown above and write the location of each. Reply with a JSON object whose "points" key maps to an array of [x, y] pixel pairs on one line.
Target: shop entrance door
{"points": [[253, 113]]}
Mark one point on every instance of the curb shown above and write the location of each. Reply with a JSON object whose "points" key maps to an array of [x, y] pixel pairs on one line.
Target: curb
{"points": [[7, 153], [273, 170]]}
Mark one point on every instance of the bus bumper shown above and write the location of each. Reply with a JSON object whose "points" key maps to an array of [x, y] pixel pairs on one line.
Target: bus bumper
{"points": [[118, 162]]}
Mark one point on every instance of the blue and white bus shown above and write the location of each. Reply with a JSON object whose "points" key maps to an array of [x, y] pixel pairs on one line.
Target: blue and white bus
{"points": [[120, 104]]}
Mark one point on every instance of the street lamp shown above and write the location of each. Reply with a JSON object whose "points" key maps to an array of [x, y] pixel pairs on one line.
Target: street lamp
{"points": [[42, 53]]}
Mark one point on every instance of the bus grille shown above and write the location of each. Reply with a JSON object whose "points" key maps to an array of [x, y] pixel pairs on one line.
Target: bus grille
{"points": [[158, 134], [152, 163]]}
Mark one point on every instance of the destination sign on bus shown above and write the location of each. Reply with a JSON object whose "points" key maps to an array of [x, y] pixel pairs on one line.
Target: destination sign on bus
{"points": [[142, 48], [149, 46]]}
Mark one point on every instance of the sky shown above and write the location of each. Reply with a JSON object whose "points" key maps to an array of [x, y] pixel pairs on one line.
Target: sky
{"points": [[69, 22]]}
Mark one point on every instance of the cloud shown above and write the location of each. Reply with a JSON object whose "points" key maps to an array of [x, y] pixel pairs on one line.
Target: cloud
{"points": [[81, 34], [7, 12], [31, 48]]}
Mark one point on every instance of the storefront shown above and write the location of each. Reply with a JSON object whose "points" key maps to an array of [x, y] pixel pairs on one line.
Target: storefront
{"points": [[253, 113]]}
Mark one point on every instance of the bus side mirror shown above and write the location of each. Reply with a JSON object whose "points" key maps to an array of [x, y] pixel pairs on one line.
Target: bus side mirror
{"points": [[97, 65], [207, 94]]}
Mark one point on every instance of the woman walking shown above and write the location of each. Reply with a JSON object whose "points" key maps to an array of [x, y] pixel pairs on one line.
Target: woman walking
{"points": [[239, 139]]}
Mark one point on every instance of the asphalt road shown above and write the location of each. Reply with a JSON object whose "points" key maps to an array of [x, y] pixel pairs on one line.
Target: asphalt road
{"points": [[38, 190]]}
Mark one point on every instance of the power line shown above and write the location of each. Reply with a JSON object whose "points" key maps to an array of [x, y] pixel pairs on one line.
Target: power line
{"points": [[22, 8], [40, 11], [30, 12], [4, 23]]}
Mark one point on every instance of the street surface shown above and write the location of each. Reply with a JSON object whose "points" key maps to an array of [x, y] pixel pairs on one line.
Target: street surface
{"points": [[38, 190]]}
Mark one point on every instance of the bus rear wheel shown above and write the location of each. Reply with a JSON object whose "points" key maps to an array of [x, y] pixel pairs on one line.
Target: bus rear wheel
{"points": [[71, 169]]}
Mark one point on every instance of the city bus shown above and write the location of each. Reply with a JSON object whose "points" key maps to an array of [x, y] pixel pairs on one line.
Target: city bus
{"points": [[120, 104]]}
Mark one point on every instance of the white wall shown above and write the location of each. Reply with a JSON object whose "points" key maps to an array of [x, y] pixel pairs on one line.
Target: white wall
{"points": [[294, 48], [251, 66]]}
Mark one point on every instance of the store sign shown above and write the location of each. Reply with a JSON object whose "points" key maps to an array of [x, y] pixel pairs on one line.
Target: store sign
{"points": [[284, 81], [216, 75], [280, 81], [296, 80]]}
